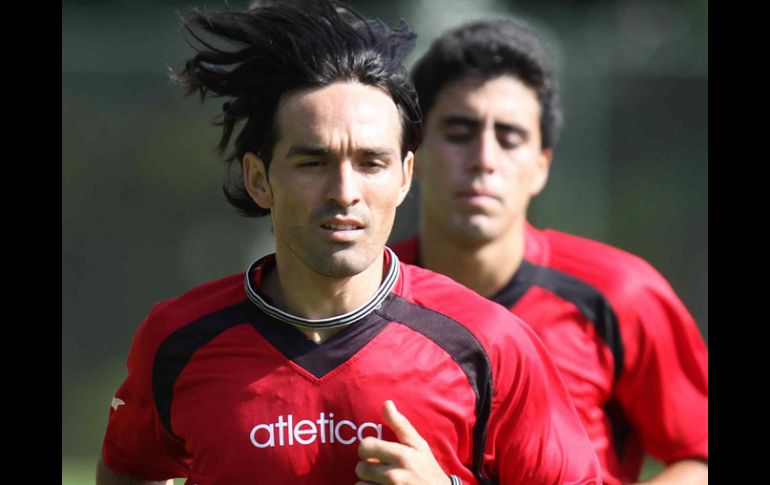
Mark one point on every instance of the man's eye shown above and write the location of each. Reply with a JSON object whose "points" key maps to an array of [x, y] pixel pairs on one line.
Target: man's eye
{"points": [[310, 164], [372, 165], [509, 143], [459, 137]]}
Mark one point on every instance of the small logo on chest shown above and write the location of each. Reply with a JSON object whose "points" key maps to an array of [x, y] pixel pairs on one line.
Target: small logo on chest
{"points": [[117, 402]]}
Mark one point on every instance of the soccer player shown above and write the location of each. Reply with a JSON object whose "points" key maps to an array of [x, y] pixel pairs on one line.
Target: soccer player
{"points": [[330, 361], [629, 352]]}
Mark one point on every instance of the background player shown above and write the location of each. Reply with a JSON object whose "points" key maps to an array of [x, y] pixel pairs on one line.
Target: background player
{"points": [[628, 350], [281, 374]]}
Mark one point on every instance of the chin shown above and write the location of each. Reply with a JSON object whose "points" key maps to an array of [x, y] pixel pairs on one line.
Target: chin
{"points": [[342, 264], [477, 230]]}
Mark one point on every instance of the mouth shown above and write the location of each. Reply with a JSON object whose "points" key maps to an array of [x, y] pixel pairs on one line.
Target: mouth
{"points": [[341, 227], [476, 193], [342, 223], [342, 230], [474, 200]]}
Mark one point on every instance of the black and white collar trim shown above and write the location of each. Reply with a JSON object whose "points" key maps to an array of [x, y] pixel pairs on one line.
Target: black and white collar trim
{"points": [[388, 282]]}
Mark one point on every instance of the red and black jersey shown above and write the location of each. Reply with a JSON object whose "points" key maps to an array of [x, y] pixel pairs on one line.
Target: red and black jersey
{"points": [[223, 392], [628, 351]]}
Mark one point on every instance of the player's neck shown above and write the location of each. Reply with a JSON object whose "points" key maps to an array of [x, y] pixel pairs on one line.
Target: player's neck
{"points": [[483, 267], [297, 289]]}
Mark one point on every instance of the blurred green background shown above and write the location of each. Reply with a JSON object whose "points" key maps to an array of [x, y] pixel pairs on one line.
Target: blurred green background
{"points": [[144, 218]]}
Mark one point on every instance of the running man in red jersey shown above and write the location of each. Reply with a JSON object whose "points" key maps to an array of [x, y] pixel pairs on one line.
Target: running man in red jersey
{"points": [[628, 350], [290, 373]]}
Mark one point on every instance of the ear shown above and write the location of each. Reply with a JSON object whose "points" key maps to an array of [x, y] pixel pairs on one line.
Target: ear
{"points": [[255, 180], [542, 168], [407, 168], [416, 168]]}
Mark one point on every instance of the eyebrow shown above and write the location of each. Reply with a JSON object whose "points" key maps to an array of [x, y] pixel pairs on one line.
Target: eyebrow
{"points": [[308, 150], [319, 151], [467, 121], [378, 152]]}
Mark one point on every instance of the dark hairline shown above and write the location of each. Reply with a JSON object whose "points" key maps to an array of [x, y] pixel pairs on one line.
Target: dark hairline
{"points": [[487, 49]]}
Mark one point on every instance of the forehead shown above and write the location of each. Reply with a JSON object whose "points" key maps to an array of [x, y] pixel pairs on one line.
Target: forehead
{"points": [[504, 97], [341, 115]]}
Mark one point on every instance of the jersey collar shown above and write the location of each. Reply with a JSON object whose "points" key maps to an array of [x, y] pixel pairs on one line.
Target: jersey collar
{"points": [[375, 302]]}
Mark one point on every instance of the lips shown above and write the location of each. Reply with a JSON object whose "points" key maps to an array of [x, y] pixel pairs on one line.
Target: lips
{"points": [[342, 225], [474, 192], [342, 229]]}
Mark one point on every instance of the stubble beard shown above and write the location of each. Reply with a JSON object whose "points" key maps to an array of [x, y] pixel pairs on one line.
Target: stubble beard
{"points": [[333, 260]]}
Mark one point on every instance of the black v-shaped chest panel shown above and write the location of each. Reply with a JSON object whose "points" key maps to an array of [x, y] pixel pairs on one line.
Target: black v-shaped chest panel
{"points": [[319, 359], [175, 352]]}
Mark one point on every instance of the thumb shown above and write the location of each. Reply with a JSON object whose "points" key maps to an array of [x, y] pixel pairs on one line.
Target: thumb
{"points": [[401, 426]]}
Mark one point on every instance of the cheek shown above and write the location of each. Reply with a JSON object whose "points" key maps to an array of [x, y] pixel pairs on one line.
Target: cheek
{"points": [[288, 206], [439, 164], [384, 196], [517, 179]]}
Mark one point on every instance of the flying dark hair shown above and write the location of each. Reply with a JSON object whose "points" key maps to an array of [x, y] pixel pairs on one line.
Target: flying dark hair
{"points": [[273, 49], [487, 49]]}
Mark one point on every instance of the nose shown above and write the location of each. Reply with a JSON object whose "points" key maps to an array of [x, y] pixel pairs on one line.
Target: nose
{"points": [[343, 185], [484, 158]]}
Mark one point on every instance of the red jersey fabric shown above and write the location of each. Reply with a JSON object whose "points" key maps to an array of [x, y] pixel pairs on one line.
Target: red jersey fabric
{"points": [[629, 352], [221, 393]]}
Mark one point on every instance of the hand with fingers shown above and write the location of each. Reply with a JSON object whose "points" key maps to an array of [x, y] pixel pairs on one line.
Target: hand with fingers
{"points": [[406, 462]]}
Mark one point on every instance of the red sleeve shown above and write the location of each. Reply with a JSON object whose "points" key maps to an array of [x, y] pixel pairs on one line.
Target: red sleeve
{"points": [[136, 443], [535, 434], [664, 385]]}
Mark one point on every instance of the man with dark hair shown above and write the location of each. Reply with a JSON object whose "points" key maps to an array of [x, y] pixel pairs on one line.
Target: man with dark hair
{"points": [[289, 372], [629, 352]]}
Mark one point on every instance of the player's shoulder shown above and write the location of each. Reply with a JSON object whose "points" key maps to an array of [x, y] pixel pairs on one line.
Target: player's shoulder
{"points": [[441, 294], [169, 315], [565, 246], [609, 268], [432, 289]]}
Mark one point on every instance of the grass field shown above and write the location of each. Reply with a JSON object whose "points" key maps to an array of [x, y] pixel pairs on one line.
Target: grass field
{"points": [[76, 472], [82, 472]]}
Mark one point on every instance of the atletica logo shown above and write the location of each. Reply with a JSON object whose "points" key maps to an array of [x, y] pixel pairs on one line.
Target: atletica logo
{"points": [[325, 429]]}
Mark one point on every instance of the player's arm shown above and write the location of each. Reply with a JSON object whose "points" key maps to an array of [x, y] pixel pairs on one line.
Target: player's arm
{"points": [[105, 476], [668, 356], [535, 435], [136, 442], [684, 472], [410, 460]]}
